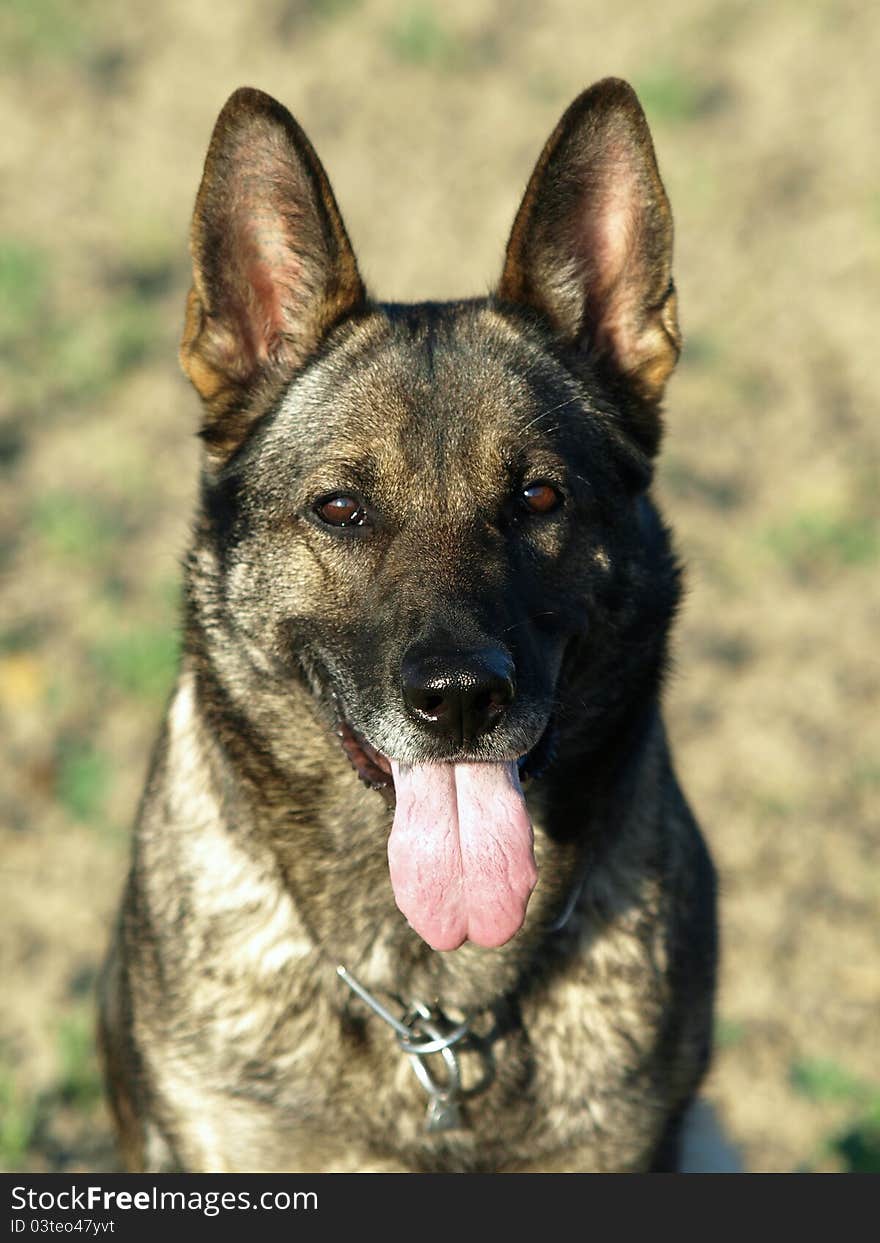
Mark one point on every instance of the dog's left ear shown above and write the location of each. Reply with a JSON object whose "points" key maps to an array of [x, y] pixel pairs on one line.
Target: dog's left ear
{"points": [[591, 247]]}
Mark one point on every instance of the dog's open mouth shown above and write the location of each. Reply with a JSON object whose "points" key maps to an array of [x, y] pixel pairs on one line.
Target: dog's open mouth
{"points": [[370, 765], [461, 853], [375, 769]]}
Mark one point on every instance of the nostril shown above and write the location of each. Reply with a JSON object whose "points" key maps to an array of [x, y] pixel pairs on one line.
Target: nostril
{"points": [[432, 704], [500, 697], [491, 701]]}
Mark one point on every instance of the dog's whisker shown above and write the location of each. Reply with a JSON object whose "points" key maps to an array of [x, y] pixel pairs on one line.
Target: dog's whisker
{"points": [[544, 414], [526, 621]]}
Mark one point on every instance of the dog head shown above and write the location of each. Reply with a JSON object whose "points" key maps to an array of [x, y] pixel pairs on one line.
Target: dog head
{"points": [[433, 515]]}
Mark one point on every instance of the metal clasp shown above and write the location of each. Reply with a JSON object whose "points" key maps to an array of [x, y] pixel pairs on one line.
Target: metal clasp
{"points": [[420, 1033]]}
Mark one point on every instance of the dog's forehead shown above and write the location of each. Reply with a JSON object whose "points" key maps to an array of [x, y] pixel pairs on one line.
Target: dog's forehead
{"points": [[425, 393]]}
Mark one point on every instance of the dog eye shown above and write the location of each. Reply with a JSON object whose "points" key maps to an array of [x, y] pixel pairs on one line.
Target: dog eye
{"points": [[541, 498], [341, 511]]}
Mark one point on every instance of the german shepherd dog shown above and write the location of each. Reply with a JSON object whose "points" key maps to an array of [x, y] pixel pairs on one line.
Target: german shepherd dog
{"points": [[414, 886]]}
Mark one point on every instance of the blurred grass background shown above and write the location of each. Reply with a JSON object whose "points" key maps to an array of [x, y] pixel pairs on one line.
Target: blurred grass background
{"points": [[428, 118]]}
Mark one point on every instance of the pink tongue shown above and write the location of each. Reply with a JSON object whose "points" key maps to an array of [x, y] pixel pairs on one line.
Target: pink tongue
{"points": [[460, 852]]}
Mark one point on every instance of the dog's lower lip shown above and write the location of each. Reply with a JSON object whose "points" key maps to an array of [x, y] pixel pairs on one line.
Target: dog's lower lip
{"points": [[374, 768], [371, 765]]}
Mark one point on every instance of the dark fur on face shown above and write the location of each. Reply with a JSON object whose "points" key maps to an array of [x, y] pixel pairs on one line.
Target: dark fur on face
{"points": [[425, 538]]}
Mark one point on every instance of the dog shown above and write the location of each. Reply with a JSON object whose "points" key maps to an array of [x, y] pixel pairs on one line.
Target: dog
{"points": [[414, 886]]}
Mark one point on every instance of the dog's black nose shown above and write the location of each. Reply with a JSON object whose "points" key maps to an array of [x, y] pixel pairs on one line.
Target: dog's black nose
{"points": [[458, 695]]}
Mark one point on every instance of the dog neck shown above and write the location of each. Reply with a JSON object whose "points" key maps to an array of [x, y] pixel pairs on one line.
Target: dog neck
{"points": [[443, 1053]]}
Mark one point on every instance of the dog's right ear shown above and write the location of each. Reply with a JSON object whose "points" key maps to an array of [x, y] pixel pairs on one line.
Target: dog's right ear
{"points": [[273, 269]]}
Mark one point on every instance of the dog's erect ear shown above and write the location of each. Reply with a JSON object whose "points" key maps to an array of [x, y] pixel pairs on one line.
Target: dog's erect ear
{"points": [[591, 247], [273, 268]]}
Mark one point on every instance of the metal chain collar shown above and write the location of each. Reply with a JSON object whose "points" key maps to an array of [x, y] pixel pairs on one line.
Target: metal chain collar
{"points": [[422, 1031]]}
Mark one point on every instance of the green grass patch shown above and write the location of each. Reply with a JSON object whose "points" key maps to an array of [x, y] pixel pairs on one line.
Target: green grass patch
{"points": [[141, 661], [33, 30], [137, 330], [79, 1079], [26, 325], [856, 1145], [22, 637], [729, 1033], [52, 360], [865, 774], [822, 539], [700, 350], [753, 386], [150, 273], [18, 1122], [82, 782], [74, 528], [13, 437], [167, 594], [419, 37], [27, 1120], [88, 355], [545, 87], [728, 649], [24, 289], [671, 95], [772, 804], [329, 10], [819, 1079], [293, 14]]}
